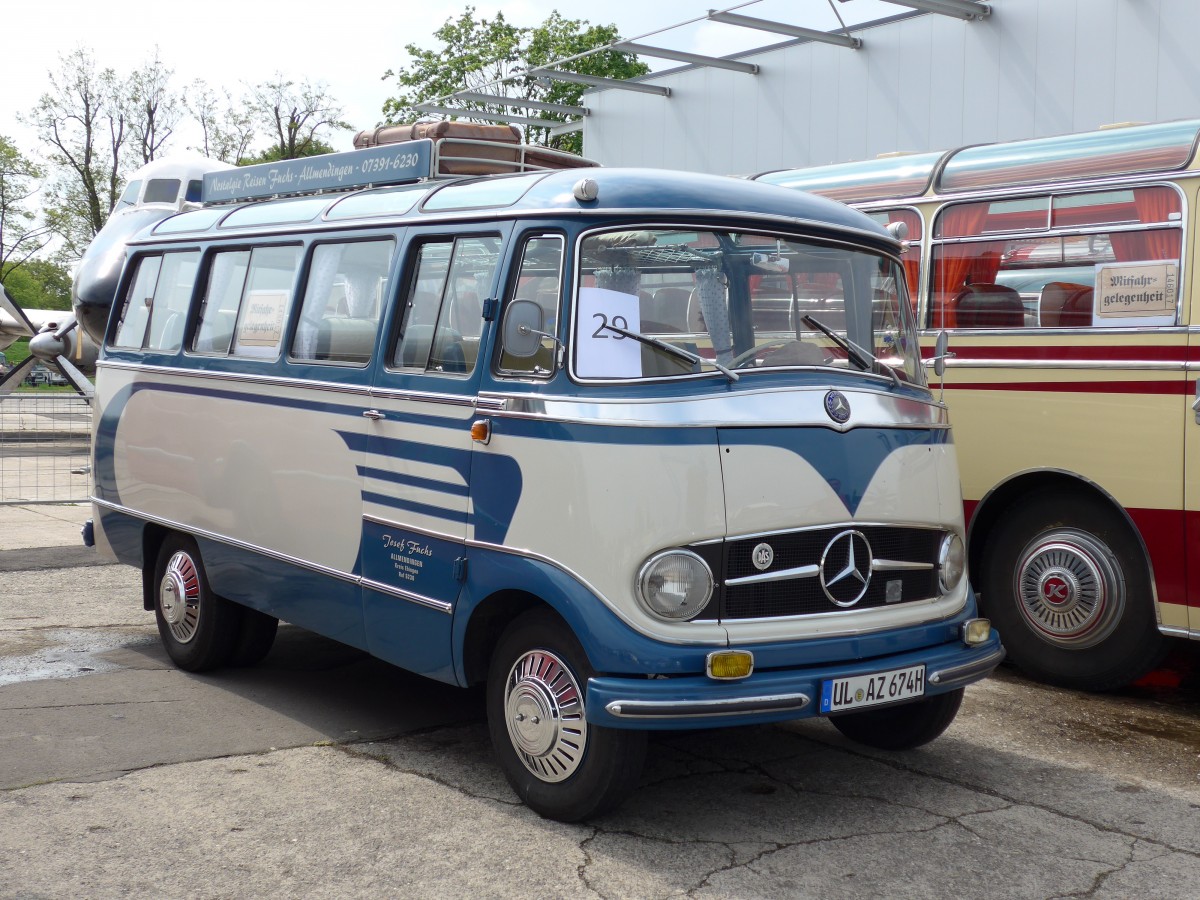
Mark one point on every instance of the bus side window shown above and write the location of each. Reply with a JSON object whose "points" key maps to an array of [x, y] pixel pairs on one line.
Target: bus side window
{"points": [[226, 278], [1064, 280], [156, 306], [339, 318], [135, 315], [443, 316], [539, 279], [265, 301]]}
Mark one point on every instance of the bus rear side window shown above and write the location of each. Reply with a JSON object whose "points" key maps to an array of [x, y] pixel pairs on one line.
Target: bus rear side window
{"points": [[157, 302], [340, 316], [247, 301]]}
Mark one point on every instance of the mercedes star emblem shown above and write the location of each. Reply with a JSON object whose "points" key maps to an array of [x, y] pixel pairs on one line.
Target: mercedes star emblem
{"points": [[838, 407], [846, 568]]}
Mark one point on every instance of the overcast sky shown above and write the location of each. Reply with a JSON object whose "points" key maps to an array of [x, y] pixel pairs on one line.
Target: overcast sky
{"points": [[347, 45]]}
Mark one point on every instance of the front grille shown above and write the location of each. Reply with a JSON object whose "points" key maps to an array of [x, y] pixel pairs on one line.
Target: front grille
{"points": [[800, 596]]}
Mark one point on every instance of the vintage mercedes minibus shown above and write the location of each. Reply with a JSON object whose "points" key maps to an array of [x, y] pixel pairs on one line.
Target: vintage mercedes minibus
{"points": [[1063, 268], [583, 435]]}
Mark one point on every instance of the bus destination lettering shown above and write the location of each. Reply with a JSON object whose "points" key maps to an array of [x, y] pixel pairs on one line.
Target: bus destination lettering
{"points": [[336, 171]]}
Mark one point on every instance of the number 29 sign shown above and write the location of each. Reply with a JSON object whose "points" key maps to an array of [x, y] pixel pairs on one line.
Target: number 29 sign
{"points": [[599, 351]]}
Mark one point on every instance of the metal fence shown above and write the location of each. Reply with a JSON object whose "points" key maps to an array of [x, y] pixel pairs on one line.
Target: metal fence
{"points": [[44, 448]]}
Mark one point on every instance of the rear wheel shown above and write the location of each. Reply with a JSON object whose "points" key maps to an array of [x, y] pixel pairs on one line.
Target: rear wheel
{"points": [[901, 727], [560, 766], [1066, 584], [256, 635], [197, 627]]}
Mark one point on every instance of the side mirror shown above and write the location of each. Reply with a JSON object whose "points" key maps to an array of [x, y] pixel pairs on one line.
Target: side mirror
{"points": [[523, 329], [939, 354]]}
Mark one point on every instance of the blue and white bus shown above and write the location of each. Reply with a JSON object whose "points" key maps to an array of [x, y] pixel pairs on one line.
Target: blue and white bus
{"points": [[591, 437]]}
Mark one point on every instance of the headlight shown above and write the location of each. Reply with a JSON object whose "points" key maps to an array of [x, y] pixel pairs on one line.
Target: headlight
{"points": [[952, 562], [675, 584]]}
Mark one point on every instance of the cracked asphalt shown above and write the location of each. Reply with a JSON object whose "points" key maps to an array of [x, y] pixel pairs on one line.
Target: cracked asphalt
{"points": [[323, 773]]}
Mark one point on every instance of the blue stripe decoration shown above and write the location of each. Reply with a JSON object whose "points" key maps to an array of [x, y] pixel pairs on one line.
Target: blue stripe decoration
{"points": [[429, 484], [424, 509], [847, 460], [456, 458], [630, 435]]}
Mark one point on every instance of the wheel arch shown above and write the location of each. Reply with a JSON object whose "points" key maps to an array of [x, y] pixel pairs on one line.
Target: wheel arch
{"points": [[153, 536], [1000, 499], [487, 622]]}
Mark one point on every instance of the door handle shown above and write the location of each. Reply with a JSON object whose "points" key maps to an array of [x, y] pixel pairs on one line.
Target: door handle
{"points": [[372, 414]]}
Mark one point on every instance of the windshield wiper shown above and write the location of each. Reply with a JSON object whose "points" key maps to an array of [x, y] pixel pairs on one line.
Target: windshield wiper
{"points": [[861, 357], [673, 350]]}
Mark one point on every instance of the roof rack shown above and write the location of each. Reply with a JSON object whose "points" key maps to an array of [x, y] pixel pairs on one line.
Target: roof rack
{"points": [[395, 154]]}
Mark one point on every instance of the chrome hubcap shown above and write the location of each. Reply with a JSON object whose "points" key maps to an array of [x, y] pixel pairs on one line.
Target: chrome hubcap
{"points": [[543, 709], [179, 597], [1070, 589]]}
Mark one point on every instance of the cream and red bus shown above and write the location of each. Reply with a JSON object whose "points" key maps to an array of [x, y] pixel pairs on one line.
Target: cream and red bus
{"points": [[1062, 268]]}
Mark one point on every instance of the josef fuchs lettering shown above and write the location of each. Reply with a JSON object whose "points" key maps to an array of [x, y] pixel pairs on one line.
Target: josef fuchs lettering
{"points": [[408, 556]]}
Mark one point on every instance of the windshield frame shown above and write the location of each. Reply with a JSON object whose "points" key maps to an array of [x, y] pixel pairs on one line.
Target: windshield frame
{"points": [[913, 377]]}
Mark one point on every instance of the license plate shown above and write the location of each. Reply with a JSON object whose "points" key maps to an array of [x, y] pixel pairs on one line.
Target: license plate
{"points": [[869, 690]]}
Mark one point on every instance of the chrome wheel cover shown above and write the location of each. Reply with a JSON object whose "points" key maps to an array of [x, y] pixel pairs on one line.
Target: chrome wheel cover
{"points": [[543, 709], [179, 597], [1070, 588]]}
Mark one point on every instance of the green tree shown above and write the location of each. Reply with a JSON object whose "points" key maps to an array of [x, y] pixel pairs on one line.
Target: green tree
{"points": [[296, 115], [21, 236], [314, 147], [82, 121], [226, 129], [38, 284], [494, 56]]}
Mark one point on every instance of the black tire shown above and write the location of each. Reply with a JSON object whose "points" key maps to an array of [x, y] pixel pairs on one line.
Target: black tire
{"points": [[901, 727], [197, 627], [559, 765], [256, 635], [1066, 584]]}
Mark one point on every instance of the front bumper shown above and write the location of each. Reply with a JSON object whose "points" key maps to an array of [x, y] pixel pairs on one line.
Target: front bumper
{"points": [[769, 696]]}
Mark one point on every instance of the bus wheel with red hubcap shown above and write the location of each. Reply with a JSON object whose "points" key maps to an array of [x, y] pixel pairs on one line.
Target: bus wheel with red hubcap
{"points": [[560, 766], [1066, 584], [197, 627]]}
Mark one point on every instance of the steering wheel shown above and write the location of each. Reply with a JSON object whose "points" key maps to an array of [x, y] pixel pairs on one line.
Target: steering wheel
{"points": [[748, 355]]}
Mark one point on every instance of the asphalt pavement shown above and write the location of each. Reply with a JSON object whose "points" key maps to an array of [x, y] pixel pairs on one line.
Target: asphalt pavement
{"points": [[324, 773]]}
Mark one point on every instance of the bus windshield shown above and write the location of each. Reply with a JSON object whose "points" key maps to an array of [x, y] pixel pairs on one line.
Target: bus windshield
{"points": [[738, 302]]}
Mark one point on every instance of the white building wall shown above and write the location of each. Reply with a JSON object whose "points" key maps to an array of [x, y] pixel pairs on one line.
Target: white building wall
{"points": [[921, 82]]}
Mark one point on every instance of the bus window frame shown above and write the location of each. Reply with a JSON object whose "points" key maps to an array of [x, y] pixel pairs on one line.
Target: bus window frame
{"points": [[405, 281], [515, 264], [1052, 192], [310, 249]]}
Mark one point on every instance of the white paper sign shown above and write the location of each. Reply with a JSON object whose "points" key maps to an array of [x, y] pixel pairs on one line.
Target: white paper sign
{"points": [[599, 352], [1138, 293]]}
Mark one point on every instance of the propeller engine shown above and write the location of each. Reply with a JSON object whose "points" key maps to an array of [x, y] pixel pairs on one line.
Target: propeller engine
{"points": [[56, 343]]}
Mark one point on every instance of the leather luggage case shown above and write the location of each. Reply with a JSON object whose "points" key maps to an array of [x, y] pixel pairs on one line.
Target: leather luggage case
{"points": [[503, 143]]}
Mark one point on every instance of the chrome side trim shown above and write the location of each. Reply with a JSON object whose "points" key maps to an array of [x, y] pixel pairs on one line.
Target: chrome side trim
{"points": [[1113, 365], [465, 400], [1180, 632], [781, 575], [428, 532], [232, 542], [764, 407], [687, 709], [968, 672], [276, 555], [898, 565], [419, 599], [240, 377]]}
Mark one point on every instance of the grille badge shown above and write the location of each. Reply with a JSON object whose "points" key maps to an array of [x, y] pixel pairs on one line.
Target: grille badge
{"points": [[762, 556], [846, 568]]}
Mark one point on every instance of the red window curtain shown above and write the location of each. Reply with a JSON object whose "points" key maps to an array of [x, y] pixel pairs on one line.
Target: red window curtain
{"points": [[957, 265], [1153, 206]]}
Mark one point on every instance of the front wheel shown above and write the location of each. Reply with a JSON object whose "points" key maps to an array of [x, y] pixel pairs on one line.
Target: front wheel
{"points": [[198, 628], [1066, 584], [901, 727], [559, 765]]}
